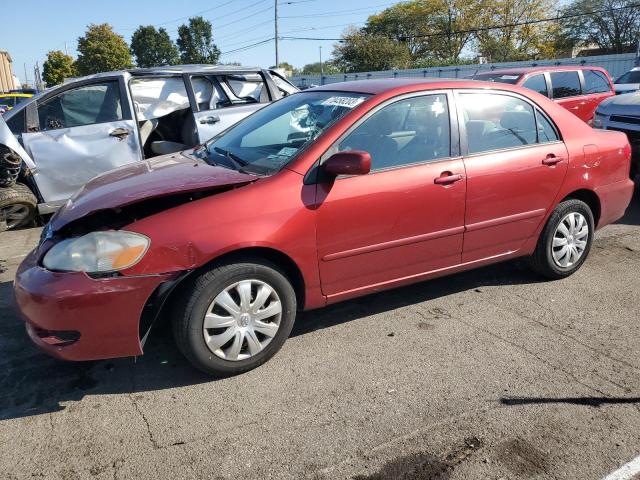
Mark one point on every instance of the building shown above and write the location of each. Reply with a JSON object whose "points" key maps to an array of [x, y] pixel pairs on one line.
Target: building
{"points": [[7, 79]]}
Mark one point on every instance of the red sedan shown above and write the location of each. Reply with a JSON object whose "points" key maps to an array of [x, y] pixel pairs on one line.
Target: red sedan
{"points": [[325, 195]]}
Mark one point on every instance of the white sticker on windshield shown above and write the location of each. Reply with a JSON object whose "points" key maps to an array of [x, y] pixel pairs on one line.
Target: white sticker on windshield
{"points": [[509, 77], [437, 107], [286, 152], [349, 102]]}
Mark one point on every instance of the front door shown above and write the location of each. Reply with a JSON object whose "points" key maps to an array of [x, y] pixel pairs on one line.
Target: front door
{"points": [[404, 218], [222, 101], [84, 130], [515, 164]]}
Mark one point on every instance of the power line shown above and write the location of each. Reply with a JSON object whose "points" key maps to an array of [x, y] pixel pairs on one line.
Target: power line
{"points": [[483, 29], [338, 13], [241, 49]]}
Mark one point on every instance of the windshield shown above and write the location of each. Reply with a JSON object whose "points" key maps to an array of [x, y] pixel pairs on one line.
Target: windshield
{"points": [[270, 138], [497, 77], [630, 77]]}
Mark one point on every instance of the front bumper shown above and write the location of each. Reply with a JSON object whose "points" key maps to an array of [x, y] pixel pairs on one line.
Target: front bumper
{"points": [[75, 317]]}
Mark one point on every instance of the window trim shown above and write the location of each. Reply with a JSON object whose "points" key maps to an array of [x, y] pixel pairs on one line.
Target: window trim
{"points": [[124, 99], [464, 146], [454, 137]]}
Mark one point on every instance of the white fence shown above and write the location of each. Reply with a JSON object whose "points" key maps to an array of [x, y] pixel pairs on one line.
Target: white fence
{"points": [[616, 65]]}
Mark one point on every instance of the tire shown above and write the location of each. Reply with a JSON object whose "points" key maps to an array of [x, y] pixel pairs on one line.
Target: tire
{"points": [[206, 290], [16, 200], [543, 260]]}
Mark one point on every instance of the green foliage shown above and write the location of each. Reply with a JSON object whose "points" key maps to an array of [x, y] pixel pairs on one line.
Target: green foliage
{"points": [[195, 42], [515, 41], [360, 51], [328, 68], [57, 67], [102, 50], [153, 48], [613, 31]]}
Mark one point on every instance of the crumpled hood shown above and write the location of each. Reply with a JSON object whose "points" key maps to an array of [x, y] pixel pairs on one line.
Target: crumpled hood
{"points": [[158, 177], [624, 104]]}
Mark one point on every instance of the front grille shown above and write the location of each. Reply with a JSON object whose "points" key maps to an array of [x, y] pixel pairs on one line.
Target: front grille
{"points": [[625, 119]]}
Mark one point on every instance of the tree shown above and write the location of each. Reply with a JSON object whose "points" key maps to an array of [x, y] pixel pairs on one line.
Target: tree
{"points": [[153, 48], [360, 51], [516, 37], [328, 68], [195, 42], [285, 66], [614, 28], [102, 50], [57, 67]]}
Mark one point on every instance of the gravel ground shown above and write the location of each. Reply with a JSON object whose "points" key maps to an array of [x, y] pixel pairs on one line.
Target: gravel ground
{"points": [[487, 374]]}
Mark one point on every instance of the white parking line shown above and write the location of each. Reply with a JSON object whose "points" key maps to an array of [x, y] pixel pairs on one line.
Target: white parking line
{"points": [[626, 471]]}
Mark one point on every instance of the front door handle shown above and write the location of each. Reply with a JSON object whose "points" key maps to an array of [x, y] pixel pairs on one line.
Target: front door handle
{"points": [[210, 120], [447, 178], [120, 133], [551, 160]]}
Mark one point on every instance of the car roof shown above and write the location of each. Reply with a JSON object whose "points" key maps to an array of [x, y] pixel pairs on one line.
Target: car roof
{"points": [[172, 70], [379, 86], [540, 68]]}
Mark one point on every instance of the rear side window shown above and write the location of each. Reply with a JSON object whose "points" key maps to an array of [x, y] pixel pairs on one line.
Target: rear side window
{"points": [[86, 105], [595, 82], [209, 95], [565, 84], [537, 83], [495, 122]]}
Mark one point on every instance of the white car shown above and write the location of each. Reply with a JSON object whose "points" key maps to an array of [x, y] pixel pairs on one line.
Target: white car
{"points": [[628, 82], [55, 142]]}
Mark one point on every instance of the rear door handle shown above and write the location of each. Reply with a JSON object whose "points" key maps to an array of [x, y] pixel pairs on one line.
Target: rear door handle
{"points": [[210, 120], [447, 178], [120, 133], [552, 160]]}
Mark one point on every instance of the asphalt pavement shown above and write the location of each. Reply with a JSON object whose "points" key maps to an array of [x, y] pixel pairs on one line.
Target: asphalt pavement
{"points": [[491, 374]]}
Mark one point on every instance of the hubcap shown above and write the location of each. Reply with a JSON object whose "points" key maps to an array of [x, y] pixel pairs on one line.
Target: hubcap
{"points": [[570, 240], [242, 320], [13, 215]]}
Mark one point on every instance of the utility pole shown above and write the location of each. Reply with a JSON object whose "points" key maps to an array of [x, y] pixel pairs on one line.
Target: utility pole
{"points": [[66, 52], [321, 70], [26, 79], [276, 36]]}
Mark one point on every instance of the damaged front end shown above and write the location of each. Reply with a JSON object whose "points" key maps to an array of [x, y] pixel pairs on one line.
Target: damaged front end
{"points": [[10, 165]]}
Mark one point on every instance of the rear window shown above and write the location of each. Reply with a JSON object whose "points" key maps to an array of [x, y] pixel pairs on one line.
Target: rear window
{"points": [[498, 77], [595, 82], [565, 84]]}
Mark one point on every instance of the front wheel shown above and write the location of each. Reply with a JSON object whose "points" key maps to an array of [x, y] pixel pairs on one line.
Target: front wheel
{"points": [[234, 317], [17, 206], [565, 241]]}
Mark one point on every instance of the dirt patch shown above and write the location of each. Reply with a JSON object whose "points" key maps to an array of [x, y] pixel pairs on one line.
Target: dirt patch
{"points": [[424, 466], [522, 458]]}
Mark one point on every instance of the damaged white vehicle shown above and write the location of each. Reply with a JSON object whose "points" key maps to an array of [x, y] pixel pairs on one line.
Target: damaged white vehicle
{"points": [[54, 143]]}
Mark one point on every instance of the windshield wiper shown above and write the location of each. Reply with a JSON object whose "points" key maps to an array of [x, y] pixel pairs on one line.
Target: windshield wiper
{"points": [[235, 160]]}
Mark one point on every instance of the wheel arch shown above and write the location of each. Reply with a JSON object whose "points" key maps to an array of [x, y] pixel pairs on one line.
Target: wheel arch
{"points": [[590, 198]]}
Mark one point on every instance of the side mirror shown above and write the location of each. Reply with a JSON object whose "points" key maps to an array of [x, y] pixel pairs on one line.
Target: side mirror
{"points": [[350, 162]]}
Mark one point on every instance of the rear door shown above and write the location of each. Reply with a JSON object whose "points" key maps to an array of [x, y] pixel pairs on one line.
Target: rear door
{"points": [[597, 87], [82, 130], [221, 101], [515, 163]]}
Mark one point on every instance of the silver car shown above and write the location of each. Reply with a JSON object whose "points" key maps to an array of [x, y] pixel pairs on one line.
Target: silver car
{"points": [[55, 142], [622, 113], [628, 82]]}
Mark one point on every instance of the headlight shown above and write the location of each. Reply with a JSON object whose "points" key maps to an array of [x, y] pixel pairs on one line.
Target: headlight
{"points": [[97, 252], [598, 120]]}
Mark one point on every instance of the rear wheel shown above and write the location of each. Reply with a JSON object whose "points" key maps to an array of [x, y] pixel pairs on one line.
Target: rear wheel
{"points": [[565, 241], [234, 317], [17, 206]]}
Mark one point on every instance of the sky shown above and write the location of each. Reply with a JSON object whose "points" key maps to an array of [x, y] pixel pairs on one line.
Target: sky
{"points": [[39, 26]]}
